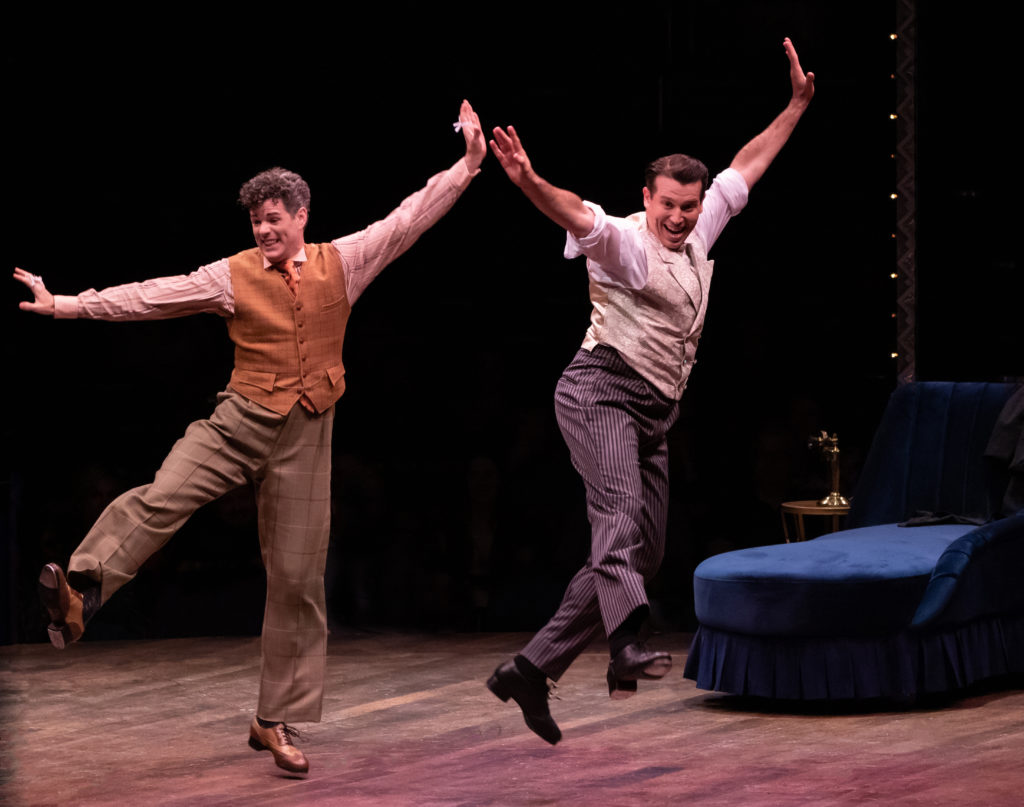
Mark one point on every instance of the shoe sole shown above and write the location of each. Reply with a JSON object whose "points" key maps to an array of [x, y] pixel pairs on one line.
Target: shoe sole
{"points": [[49, 589], [658, 668], [60, 635], [620, 689]]}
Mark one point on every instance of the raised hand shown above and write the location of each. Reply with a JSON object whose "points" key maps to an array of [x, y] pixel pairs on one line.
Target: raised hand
{"points": [[563, 207], [511, 154], [757, 155], [803, 83], [476, 146], [43, 302]]}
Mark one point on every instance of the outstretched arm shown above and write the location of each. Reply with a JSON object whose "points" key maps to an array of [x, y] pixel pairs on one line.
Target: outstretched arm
{"points": [[207, 290], [563, 207], [755, 157]]}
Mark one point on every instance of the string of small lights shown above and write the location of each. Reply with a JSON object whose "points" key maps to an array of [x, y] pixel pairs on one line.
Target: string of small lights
{"points": [[904, 197], [893, 116]]}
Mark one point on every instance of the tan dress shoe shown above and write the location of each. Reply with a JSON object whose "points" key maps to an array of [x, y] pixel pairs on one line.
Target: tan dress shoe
{"points": [[64, 604], [278, 740]]}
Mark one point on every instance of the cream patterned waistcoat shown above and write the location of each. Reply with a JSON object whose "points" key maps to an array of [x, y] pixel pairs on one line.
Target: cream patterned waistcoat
{"points": [[655, 329]]}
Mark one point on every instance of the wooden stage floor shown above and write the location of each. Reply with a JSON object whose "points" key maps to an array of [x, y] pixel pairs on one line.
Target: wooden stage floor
{"points": [[408, 721]]}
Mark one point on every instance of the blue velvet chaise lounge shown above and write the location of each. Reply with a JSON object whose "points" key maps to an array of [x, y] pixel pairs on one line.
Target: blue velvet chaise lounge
{"points": [[879, 610]]}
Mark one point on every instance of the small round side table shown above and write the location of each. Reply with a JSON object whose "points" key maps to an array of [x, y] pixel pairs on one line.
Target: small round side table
{"points": [[809, 507]]}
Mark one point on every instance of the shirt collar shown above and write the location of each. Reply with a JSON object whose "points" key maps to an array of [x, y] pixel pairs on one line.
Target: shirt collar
{"points": [[298, 257]]}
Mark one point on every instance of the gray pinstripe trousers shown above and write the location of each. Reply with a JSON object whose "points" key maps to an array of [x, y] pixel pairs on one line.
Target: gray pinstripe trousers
{"points": [[615, 423], [288, 460]]}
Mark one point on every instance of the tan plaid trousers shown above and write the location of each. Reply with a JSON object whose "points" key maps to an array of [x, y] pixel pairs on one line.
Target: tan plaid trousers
{"points": [[288, 460]]}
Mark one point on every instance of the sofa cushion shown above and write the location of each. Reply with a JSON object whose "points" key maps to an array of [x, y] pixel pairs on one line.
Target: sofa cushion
{"points": [[861, 582]]}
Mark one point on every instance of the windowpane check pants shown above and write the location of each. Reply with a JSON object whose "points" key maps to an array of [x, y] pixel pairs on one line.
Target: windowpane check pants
{"points": [[615, 424], [288, 460]]}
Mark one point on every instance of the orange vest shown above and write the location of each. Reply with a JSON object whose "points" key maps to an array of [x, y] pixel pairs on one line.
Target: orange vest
{"points": [[288, 346]]}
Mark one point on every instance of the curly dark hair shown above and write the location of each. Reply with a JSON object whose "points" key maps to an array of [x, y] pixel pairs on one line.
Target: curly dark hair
{"points": [[275, 183], [680, 167]]}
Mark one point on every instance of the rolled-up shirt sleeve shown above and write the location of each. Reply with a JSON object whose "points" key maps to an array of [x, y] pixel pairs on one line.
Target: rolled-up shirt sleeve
{"points": [[615, 253], [206, 290], [726, 197]]}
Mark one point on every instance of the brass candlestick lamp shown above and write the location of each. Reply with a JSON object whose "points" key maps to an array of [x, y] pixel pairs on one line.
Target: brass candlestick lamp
{"points": [[830, 448]]}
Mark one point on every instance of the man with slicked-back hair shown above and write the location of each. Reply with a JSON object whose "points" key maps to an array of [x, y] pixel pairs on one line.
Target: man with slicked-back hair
{"points": [[649, 279]]}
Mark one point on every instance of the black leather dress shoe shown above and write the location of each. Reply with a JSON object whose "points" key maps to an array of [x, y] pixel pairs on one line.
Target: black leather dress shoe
{"points": [[635, 661], [508, 682]]}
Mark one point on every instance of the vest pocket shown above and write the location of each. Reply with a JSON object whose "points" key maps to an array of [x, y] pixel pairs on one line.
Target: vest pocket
{"points": [[331, 306], [254, 378]]}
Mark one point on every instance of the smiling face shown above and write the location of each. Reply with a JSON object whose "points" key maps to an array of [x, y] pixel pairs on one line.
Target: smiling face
{"points": [[278, 233], [672, 210]]}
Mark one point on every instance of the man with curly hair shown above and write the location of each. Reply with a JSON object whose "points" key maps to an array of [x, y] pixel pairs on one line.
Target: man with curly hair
{"points": [[286, 303]]}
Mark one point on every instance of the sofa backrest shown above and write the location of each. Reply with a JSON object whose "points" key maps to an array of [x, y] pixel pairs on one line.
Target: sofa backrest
{"points": [[928, 455]]}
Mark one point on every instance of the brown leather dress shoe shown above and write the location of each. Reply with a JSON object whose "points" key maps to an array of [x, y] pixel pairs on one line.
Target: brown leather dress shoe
{"points": [[278, 740], [64, 604]]}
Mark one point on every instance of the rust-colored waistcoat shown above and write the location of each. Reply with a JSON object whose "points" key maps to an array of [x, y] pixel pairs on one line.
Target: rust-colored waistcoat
{"points": [[286, 346]]}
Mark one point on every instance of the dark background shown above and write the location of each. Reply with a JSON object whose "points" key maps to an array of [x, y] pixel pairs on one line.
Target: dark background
{"points": [[455, 503]]}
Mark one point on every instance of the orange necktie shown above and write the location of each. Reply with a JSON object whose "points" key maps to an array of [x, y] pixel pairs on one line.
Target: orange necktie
{"points": [[290, 274]]}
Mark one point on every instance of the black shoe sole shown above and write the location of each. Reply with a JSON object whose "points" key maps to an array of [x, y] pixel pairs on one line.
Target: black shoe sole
{"points": [[655, 669], [658, 668]]}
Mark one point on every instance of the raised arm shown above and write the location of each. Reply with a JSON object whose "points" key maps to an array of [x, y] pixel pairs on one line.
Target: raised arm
{"points": [[367, 252], [755, 157], [563, 207]]}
